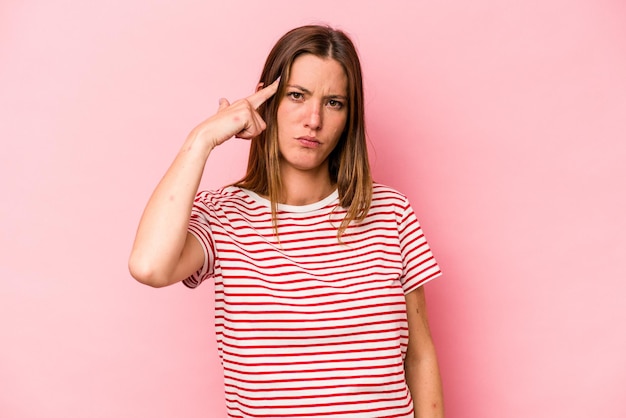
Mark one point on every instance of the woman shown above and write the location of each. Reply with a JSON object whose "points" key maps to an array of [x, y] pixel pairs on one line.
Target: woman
{"points": [[318, 272]]}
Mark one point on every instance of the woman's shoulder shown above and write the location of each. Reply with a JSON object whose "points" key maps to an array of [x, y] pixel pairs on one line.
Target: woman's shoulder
{"points": [[221, 195], [381, 191]]}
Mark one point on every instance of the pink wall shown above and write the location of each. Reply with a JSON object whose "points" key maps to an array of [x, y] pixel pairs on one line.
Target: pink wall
{"points": [[503, 121]]}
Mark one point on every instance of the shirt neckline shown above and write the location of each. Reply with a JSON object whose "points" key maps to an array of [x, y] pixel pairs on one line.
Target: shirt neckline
{"points": [[331, 198]]}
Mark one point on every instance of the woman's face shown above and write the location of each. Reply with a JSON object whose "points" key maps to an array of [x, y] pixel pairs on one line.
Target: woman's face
{"points": [[312, 114]]}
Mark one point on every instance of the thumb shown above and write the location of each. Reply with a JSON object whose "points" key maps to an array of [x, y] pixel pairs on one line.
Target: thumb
{"points": [[223, 104]]}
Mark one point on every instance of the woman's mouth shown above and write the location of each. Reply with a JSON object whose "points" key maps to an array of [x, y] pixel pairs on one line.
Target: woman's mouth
{"points": [[308, 142]]}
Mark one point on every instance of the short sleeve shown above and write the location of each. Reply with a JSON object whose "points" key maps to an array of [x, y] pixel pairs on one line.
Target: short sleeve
{"points": [[419, 264], [200, 227]]}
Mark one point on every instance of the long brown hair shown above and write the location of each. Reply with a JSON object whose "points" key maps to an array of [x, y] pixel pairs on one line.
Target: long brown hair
{"points": [[348, 162]]}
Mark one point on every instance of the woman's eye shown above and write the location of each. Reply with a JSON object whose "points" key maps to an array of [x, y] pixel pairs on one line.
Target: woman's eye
{"points": [[335, 104], [295, 95]]}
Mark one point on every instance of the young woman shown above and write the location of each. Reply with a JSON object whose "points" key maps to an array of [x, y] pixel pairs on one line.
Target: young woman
{"points": [[318, 272]]}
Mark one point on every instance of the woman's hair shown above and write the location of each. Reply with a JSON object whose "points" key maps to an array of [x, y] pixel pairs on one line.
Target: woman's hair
{"points": [[348, 162]]}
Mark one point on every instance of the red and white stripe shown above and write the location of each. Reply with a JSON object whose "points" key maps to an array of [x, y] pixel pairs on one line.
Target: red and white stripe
{"points": [[307, 326]]}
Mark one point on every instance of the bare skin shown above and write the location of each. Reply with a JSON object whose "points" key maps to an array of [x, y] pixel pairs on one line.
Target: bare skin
{"points": [[420, 365], [164, 252], [311, 117]]}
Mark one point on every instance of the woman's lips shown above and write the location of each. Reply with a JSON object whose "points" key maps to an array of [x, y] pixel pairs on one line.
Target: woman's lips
{"points": [[308, 142]]}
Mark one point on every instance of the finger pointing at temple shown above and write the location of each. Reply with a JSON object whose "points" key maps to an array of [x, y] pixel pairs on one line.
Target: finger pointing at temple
{"points": [[261, 96]]}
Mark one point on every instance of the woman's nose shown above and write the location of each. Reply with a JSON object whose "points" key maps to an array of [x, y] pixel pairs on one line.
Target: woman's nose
{"points": [[313, 118]]}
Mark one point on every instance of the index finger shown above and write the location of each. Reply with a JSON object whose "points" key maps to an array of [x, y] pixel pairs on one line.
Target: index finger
{"points": [[261, 96]]}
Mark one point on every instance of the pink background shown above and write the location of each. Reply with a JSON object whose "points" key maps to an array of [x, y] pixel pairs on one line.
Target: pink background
{"points": [[503, 121]]}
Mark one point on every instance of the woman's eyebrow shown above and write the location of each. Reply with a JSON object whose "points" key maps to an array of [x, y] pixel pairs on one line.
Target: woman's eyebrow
{"points": [[302, 89], [337, 96], [307, 91]]}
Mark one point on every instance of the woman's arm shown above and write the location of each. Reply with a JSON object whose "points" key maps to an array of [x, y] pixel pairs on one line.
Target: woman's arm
{"points": [[420, 365], [164, 252]]}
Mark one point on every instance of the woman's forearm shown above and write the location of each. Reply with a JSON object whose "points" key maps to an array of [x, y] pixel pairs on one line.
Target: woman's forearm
{"points": [[420, 364], [162, 230], [163, 253], [424, 382]]}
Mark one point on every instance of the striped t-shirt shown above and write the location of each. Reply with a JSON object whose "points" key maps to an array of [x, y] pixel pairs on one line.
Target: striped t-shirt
{"points": [[307, 326]]}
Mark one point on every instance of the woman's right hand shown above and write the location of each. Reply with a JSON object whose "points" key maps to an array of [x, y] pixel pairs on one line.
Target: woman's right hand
{"points": [[239, 119], [164, 251]]}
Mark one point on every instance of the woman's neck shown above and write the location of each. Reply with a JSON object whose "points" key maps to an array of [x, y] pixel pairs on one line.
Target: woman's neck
{"points": [[305, 187]]}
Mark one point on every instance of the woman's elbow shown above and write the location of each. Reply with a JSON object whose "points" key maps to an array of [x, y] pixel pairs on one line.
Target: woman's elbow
{"points": [[145, 273]]}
